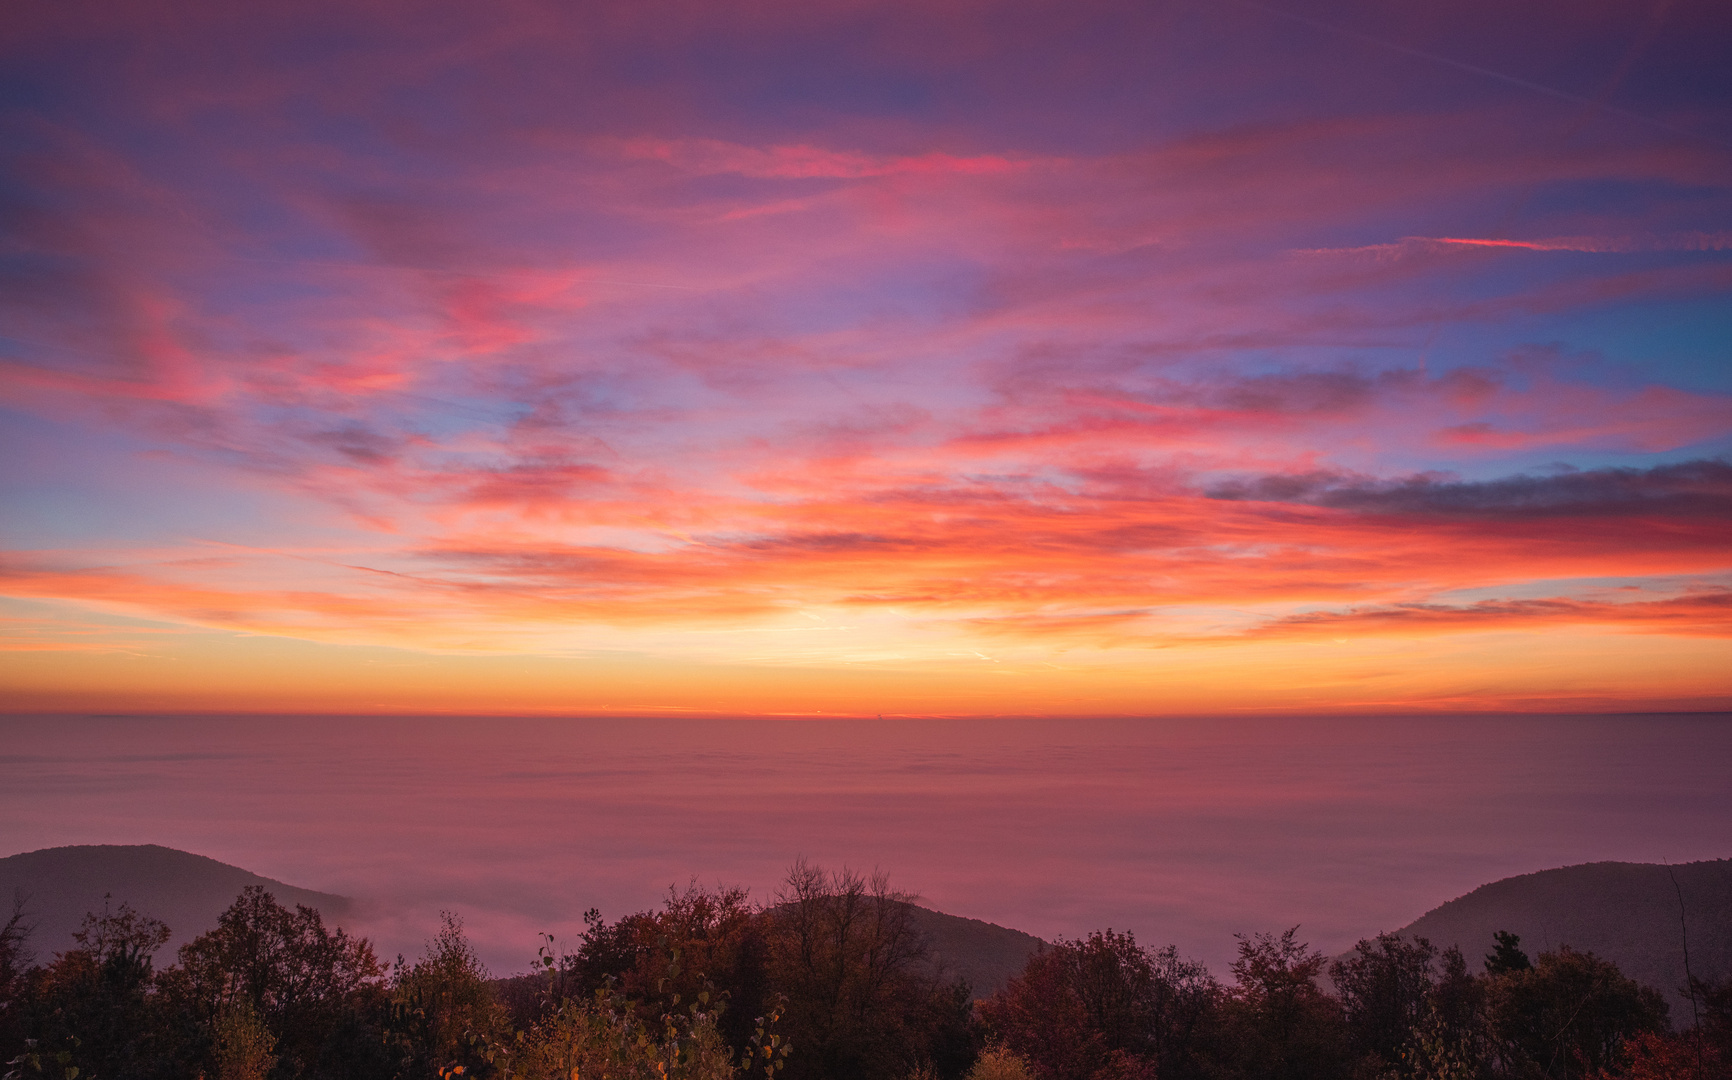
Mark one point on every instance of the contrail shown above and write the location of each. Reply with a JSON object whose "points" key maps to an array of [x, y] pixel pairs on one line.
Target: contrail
{"points": [[1601, 245], [1461, 65]]}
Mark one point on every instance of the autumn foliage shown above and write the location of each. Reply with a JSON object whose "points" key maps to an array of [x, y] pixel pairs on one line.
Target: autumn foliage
{"points": [[828, 981]]}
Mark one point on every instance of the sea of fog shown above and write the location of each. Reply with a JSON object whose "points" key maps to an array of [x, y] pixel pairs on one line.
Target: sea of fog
{"points": [[1183, 831]]}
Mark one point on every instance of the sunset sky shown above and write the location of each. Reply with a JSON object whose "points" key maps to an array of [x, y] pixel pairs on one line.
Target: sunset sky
{"points": [[771, 358]]}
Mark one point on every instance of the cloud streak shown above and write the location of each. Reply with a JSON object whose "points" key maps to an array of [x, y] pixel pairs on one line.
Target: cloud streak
{"points": [[1704, 615], [1596, 245], [1698, 491]]}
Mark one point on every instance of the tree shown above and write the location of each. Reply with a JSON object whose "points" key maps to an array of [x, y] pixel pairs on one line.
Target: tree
{"points": [[15, 960], [941, 1033], [95, 1000], [1449, 1042], [999, 1063], [1104, 1006], [15, 955], [862, 1003], [862, 1000], [1040, 1016], [1651, 1055], [442, 1006], [243, 1044], [317, 991], [1568, 1016], [604, 1037], [1716, 1014], [1457, 997], [700, 939], [1185, 1012], [1282, 1027], [1506, 956], [1384, 987]]}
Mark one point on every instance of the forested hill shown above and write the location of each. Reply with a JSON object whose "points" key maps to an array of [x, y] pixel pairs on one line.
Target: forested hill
{"points": [[184, 890], [1627, 913], [984, 953], [189, 891]]}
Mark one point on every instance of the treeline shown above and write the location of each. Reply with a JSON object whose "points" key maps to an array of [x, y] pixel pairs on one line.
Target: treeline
{"points": [[830, 981]]}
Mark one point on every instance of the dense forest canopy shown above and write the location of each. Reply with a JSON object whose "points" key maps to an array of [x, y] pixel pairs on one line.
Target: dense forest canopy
{"points": [[830, 980]]}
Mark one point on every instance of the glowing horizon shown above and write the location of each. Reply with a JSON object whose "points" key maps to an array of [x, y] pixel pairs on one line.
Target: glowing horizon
{"points": [[1130, 361]]}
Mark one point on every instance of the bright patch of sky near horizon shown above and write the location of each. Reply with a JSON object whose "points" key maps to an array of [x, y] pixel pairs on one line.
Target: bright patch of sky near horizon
{"points": [[1183, 831], [1154, 358]]}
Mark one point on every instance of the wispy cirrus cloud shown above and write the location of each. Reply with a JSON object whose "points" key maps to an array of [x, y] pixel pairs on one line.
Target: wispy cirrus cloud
{"points": [[656, 323]]}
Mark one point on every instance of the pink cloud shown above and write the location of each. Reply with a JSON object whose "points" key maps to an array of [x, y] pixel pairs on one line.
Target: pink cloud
{"points": [[712, 156]]}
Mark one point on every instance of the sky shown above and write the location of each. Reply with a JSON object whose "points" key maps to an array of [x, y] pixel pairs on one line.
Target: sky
{"points": [[937, 359]]}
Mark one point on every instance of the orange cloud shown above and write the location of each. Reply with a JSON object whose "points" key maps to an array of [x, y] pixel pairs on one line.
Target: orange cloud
{"points": [[1701, 615]]}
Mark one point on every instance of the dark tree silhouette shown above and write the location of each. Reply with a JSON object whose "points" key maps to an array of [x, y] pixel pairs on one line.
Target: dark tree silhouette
{"points": [[1568, 1016], [1104, 1006], [861, 996], [835, 970], [15, 961], [318, 992], [700, 939], [442, 1006], [1283, 1027], [1384, 987], [1506, 957], [94, 999]]}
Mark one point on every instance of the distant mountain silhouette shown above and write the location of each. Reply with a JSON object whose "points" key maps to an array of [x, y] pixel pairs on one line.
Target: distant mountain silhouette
{"points": [[983, 953], [186, 891], [189, 892], [1625, 912]]}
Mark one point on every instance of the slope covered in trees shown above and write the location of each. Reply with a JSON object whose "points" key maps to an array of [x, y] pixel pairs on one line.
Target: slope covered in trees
{"points": [[1105, 1008], [832, 978], [187, 892], [1628, 913], [982, 954], [829, 982]]}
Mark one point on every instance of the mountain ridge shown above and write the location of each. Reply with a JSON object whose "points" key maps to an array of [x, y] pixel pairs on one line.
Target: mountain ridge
{"points": [[1634, 920], [1631, 921], [188, 892]]}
